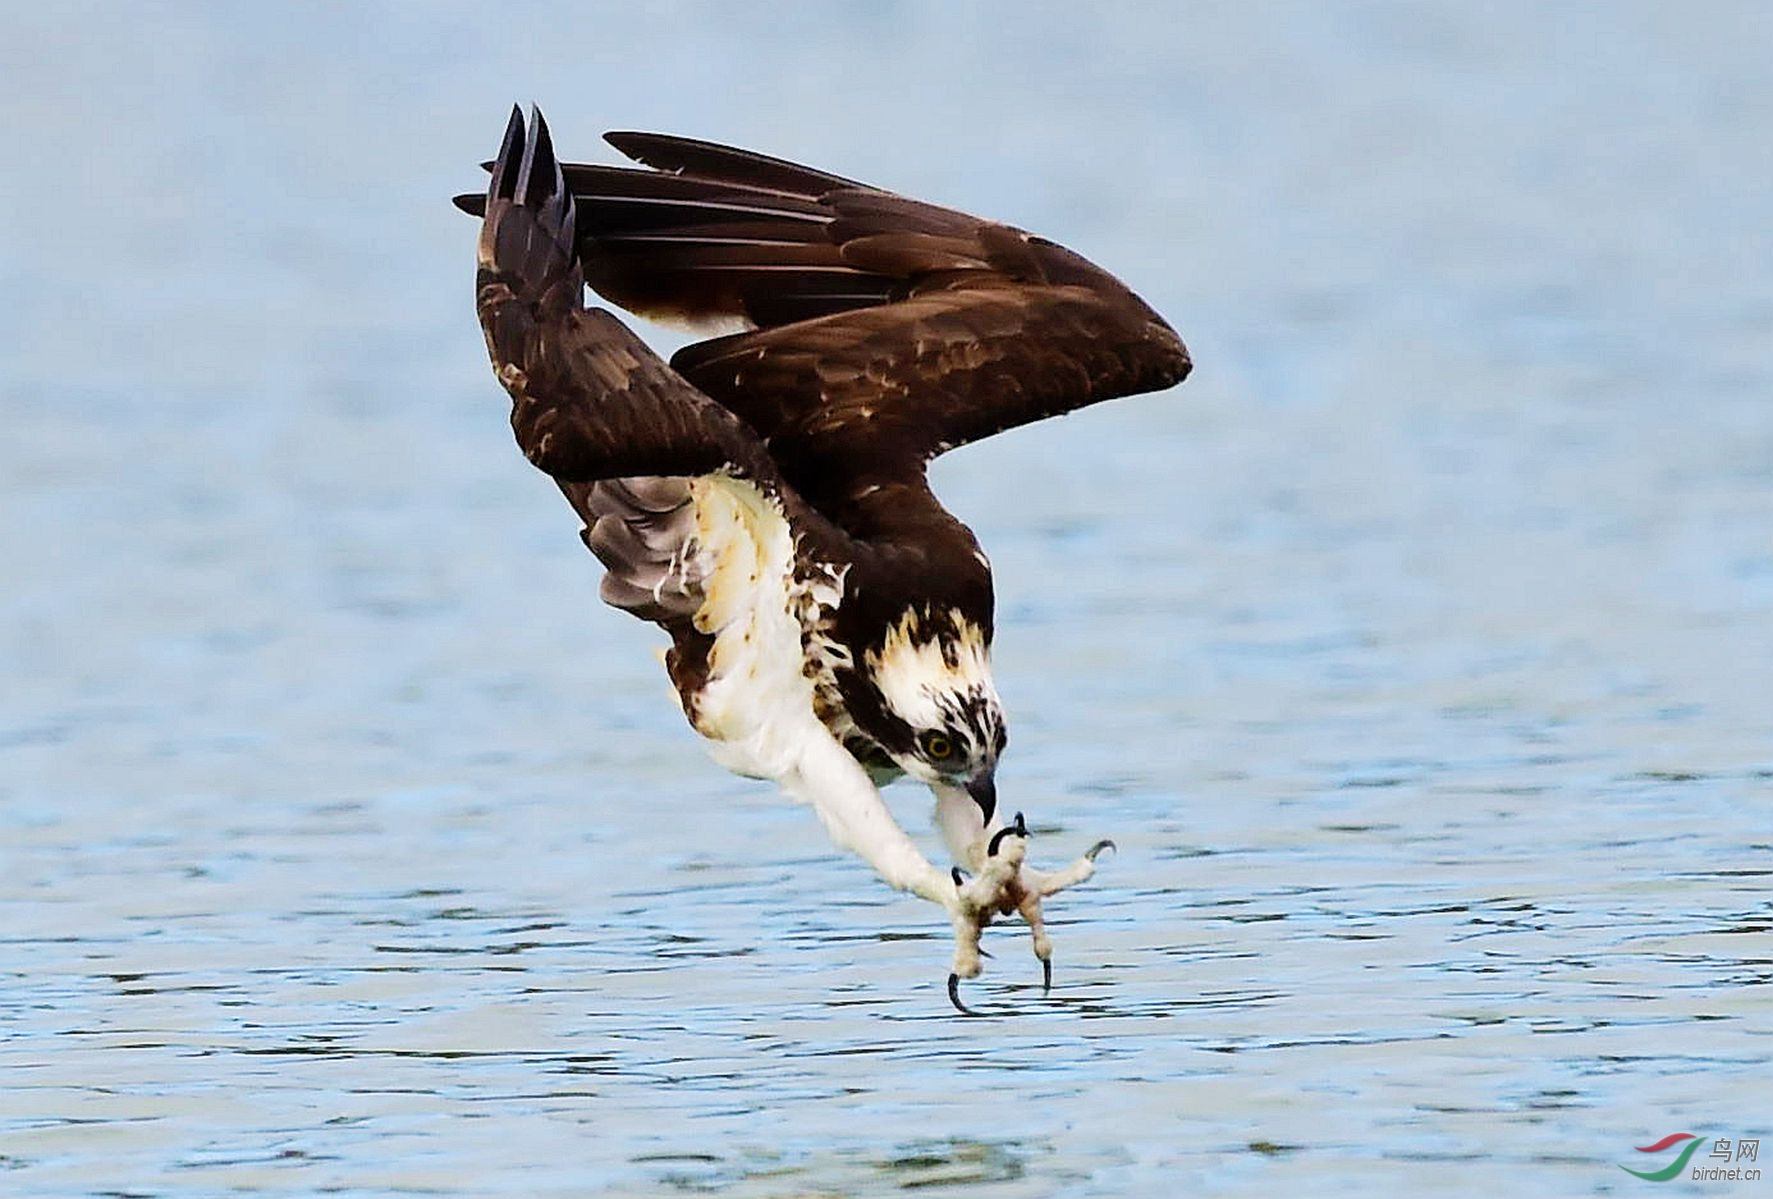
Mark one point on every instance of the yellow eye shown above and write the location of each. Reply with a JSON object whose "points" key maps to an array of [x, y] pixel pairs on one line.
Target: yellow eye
{"points": [[937, 748]]}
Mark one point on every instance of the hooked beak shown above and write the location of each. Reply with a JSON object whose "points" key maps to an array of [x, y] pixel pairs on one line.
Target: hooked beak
{"points": [[983, 788]]}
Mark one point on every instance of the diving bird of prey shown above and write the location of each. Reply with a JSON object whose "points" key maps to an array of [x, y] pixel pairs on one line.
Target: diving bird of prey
{"points": [[763, 497]]}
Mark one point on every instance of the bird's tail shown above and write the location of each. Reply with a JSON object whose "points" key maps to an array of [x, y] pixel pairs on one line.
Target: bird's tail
{"points": [[529, 273]]}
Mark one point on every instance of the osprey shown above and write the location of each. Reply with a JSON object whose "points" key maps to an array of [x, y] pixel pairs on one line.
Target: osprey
{"points": [[763, 497]]}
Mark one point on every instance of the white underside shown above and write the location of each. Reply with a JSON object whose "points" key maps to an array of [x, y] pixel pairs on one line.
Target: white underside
{"points": [[756, 710], [757, 707]]}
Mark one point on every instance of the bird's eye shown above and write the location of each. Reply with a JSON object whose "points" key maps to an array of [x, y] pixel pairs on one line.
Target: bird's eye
{"points": [[937, 748]]}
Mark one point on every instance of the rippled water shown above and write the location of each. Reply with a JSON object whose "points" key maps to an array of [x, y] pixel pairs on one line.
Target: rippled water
{"points": [[1416, 653]]}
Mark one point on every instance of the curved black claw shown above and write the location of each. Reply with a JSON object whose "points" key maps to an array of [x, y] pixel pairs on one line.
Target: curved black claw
{"points": [[1020, 829], [954, 873], [954, 997], [1046, 975], [1099, 846]]}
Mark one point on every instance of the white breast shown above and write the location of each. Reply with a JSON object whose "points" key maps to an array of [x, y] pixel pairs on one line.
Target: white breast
{"points": [[757, 705]]}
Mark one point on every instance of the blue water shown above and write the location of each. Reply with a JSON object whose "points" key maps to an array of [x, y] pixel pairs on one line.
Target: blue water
{"points": [[1416, 652]]}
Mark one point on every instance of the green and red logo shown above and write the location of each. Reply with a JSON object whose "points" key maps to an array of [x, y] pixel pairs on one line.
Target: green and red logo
{"points": [[1673, 1168]]}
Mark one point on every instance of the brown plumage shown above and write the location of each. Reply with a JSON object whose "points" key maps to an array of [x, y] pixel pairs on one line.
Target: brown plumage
{"points": [[881, 331], [886, 330], [764, 499]]}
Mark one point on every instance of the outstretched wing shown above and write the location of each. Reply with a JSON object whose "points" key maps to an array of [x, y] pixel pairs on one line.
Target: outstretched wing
{"points": [[589, 399], [882, 328], [681, 502]]}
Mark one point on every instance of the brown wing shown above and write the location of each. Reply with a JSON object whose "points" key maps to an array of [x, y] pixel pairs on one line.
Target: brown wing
{"points": [[635, 448], [590, 400], [885, 330], [746, 250]]}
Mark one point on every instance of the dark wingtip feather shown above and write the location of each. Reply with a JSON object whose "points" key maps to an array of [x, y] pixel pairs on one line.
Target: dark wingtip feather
{"points": [[540, 177], [505, 166], [631, 142], [520, 190], [691, 156]]}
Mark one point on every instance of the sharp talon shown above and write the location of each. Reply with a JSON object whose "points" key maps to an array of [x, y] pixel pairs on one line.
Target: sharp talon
{"points": [[954, 996], [1098, 847], [1018, 829], [959, 882], [1046, 975]]}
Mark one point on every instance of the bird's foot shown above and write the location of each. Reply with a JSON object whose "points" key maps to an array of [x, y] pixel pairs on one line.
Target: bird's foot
{"points": [[977, 900], [1003, 884]]}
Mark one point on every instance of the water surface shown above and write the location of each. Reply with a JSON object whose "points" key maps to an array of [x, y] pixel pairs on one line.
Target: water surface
{"points": [[1416, 652]]}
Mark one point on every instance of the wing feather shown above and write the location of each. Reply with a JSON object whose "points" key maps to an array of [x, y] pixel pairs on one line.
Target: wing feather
{"points": [[880, 331], [689, 156], [682, 503], [879, 326], [590, 400]]}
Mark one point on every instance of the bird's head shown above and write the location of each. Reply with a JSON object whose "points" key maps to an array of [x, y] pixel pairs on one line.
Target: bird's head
{"points": [[942, 720]]}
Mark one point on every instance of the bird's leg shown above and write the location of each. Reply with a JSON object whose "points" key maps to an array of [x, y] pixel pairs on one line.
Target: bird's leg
{"points": [[852, 810], [858, 819]]}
